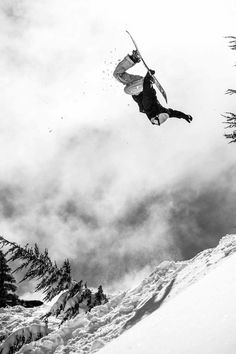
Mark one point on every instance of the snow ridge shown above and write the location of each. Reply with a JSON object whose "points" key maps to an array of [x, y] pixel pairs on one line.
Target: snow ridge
{"points": [[88, 333]]}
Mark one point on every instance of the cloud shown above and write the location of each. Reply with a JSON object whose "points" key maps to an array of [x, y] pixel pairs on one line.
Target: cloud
{"points": [[85, 174], [199, 217], [72, 206]]}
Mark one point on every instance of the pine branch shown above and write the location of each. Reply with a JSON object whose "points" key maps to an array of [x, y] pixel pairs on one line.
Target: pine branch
{"points": [[231, 136], [230, 92], [231, 117], [232, 42], [231, 124], [51, 279]]}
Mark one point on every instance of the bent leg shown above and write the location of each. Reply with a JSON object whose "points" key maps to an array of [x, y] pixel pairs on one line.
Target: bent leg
{"points": [[120, 71]]}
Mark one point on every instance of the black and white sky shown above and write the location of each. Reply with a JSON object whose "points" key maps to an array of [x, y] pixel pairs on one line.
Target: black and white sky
{"points": [[86, 175]]}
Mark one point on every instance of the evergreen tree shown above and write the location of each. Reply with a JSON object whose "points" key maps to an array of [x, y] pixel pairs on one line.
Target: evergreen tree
{"points": [[231, 117], [51, 279], [7, 283]]}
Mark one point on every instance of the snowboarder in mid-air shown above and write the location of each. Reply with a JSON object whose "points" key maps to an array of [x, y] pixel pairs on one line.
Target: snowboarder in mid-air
{"points": [[143, 92]]}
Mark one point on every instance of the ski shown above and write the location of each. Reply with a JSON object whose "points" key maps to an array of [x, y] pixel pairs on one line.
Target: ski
{"points": [[157, 83]]}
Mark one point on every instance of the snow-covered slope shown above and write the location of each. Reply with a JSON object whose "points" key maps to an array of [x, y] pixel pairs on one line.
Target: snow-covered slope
{"points": [[182, 307], [201, 319]]}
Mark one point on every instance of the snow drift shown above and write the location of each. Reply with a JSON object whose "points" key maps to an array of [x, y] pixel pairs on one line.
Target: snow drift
{"points": [[201, 319], [182, 307]]}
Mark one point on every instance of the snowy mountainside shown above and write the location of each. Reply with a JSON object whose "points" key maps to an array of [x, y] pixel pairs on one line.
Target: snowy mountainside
{"points": [[200, 319], [88, 333]]}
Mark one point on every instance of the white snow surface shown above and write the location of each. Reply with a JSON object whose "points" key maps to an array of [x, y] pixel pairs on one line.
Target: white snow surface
{"points": [[182, 307], [202, 319]]}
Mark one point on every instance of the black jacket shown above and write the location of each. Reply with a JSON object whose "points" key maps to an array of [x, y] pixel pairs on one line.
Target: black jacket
{"points": [[147, 99]]}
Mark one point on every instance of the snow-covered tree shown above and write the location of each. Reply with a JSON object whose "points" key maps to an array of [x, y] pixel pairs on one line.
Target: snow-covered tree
{"points": [[78, 298], [75, 297], [7, 283], [23, 336], [231, 117]]}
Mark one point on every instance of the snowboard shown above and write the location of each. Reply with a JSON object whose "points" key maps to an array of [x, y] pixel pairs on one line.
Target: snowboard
{"points": [[157, 83]]}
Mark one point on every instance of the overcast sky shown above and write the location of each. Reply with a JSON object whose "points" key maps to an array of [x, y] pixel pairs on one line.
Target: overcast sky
{"points": [[82, 171]]}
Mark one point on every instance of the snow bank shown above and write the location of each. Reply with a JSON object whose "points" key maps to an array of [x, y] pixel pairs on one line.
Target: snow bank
{"points": [[164, 303], [23, 335], [201, 319]]}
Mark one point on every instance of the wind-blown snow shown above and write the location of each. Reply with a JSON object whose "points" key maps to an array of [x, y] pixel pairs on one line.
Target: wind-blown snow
{"points": [[182, 307]]}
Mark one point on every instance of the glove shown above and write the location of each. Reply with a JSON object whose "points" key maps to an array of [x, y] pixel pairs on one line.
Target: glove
{"points": [[188, 118], [150, 77]]}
